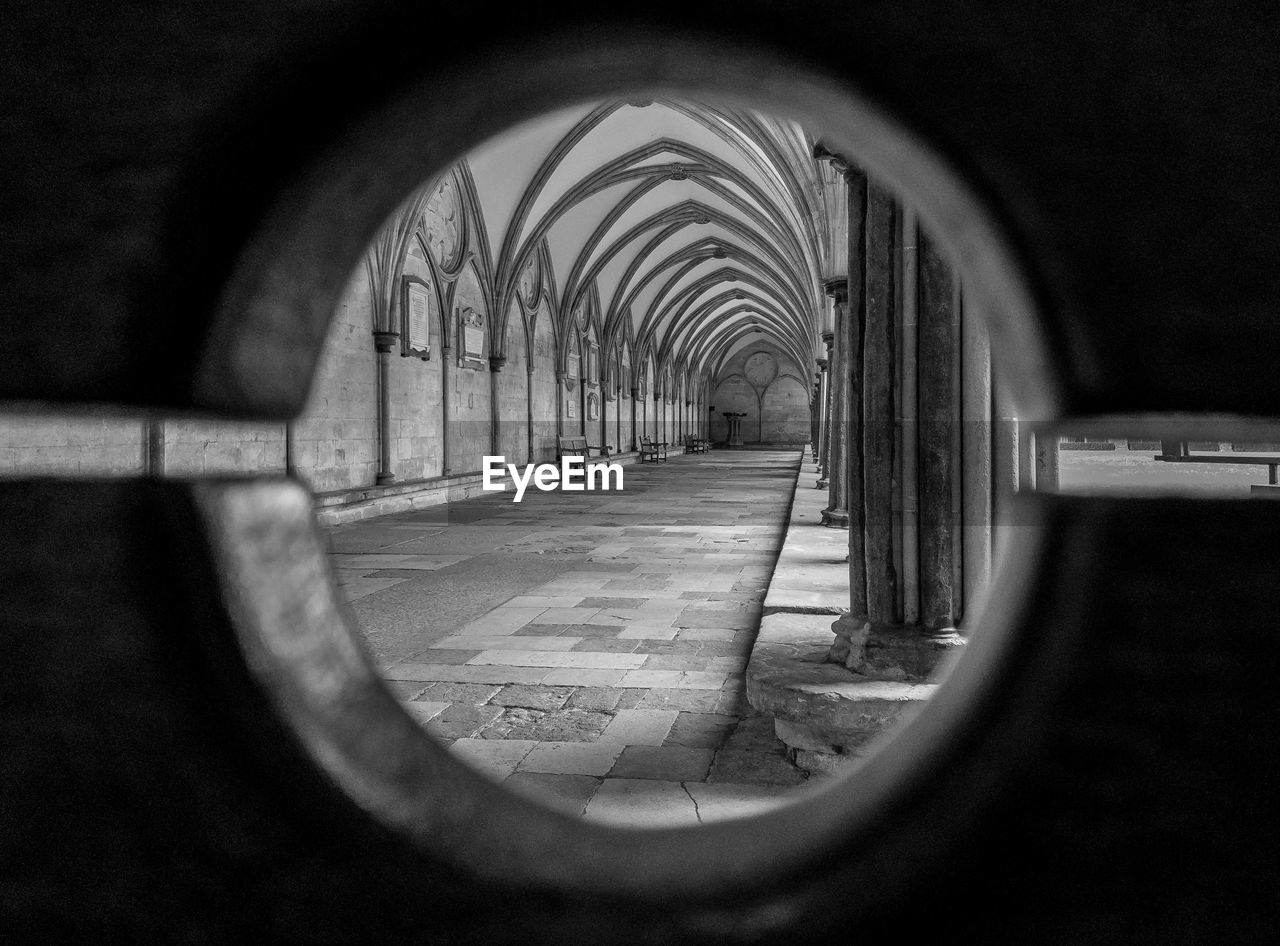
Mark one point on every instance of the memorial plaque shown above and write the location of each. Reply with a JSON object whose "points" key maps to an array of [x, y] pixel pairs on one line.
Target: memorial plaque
{"points": [[471, 323], [571, 407], [415, 318]]}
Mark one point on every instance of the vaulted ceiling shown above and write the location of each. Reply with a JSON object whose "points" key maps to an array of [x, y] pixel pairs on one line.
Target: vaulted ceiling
{"points": [[686, 230]]}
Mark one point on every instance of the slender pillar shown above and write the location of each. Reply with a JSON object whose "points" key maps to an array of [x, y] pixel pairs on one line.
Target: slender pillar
{"points": [[384, 342], [635, 432], [153, 444], [824, 459], [977, 446], [816, 412], [561, 392], [528, 403], [851, 630], [910, 425], [937, 361], [1047, 461], [878, 434], [1026, 457], [290, 449], [836, 514], [495, 407], [446, 403]]}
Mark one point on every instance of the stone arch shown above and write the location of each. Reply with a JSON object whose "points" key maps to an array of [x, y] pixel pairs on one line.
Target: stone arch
{"points": [[784, 411], [734, 393]]}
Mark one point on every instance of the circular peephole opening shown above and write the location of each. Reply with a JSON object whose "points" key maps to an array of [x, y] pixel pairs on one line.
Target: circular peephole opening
{"points": [[666, 435]]}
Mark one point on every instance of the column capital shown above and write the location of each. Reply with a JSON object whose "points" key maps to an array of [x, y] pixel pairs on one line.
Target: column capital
{"points": [[496, 362], [821, 362], [528, 366], [829, 339], [841, 164], [385, 341], [838, 288]]}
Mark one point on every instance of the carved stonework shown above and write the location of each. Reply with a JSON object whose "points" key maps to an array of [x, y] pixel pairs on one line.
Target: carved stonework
{"points": [[530, 281], [593, 407], [443, 225], [761, 368], [571, 363]]}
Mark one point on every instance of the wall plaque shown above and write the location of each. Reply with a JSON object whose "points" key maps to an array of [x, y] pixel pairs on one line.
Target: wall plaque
{"points": [[472, 324], [415, 317], [571, 407], [593, 407]]}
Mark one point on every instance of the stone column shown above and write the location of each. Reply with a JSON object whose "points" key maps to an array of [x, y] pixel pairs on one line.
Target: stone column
{"points": [[879, 357], [820, 413], [446, 403], [153, 444], [824, 458], [635, 431], [937, 359], [977, 506], [1006, 449], [290, 449], [851, 629], [383, 342], [1047, 461], [1026, 457], [561, 392], [496, 363], [528, 403], [836, 514], [910, 465]]}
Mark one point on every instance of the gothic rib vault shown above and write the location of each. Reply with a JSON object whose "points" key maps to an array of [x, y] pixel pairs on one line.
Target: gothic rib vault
{"points": [[654, 240]]}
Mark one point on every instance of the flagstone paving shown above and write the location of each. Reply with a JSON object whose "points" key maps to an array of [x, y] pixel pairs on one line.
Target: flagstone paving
{"points": [[588, 649]]}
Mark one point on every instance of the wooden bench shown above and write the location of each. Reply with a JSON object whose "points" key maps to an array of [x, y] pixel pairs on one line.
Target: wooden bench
{"points": [[652, 451], [696, 444], [1176, 451], [578, 447]]}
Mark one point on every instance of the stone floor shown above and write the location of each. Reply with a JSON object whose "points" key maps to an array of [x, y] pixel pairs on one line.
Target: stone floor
{"points": [[588, 648]]}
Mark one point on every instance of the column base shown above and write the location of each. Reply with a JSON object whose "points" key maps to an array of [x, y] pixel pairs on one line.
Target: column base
{"points": [[891, 651], [382, 479], [835, 518], [826, 716], [821, 484]]}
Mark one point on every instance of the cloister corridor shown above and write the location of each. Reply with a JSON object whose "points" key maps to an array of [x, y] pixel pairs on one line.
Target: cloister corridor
{"points": [[589, 648]]}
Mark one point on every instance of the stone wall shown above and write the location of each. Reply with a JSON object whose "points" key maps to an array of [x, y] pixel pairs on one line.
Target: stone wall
{"points": [[513, 392], [763, 382], [544, 386], [192, 448], [342, 413], [38, 444]]}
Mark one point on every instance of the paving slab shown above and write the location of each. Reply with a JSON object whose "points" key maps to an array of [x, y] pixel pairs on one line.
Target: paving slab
{"points": [[642, 803], [592, 650], [493, 758], [569, 793], [571, 758]]}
